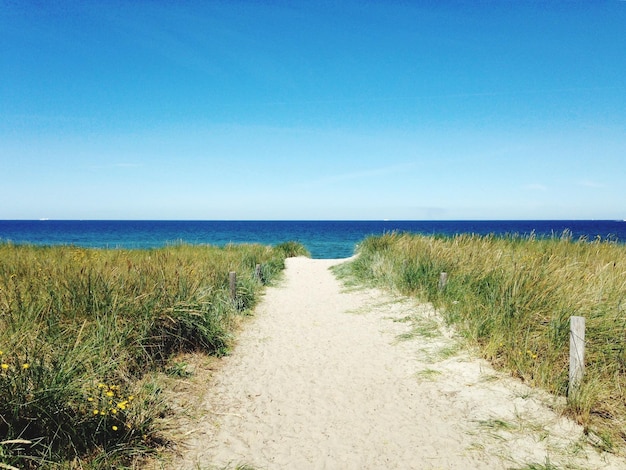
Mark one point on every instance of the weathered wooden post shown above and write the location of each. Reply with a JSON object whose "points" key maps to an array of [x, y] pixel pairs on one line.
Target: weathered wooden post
{"points": [[232, 279], [576, 354], [443, 280], [257, 272]]}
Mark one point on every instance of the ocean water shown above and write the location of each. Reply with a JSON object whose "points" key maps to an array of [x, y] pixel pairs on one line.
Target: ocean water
{"points": [[324, 239]]}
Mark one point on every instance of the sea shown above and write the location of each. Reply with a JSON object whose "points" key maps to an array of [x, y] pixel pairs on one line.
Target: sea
{"points": [[324, 239]]}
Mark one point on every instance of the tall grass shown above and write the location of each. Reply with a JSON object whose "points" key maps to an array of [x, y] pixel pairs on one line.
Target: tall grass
{"points": [[513, 296], [81, 328]]}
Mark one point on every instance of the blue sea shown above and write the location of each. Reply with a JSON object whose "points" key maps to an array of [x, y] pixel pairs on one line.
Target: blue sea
{"points": [[324, 239]]}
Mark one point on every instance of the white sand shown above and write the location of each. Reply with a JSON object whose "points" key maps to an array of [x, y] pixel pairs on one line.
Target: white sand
{"points": [[320, 380]]}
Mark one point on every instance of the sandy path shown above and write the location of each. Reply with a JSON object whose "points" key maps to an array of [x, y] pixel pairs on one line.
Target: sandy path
{"points": [[319, 380]]}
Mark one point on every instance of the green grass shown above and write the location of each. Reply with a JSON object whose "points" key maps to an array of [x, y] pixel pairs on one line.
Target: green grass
{"points": [[429, 374], [539, 466], [82, 330], [513, 297]]}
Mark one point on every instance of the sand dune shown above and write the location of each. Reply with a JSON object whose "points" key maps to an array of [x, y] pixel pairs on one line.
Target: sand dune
{"points": [[329, 378]]}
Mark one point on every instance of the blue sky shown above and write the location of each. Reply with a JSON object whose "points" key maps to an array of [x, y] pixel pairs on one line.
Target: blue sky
{"points": [[312, 110]]}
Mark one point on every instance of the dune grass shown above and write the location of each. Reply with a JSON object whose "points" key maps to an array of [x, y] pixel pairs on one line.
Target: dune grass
{"points": [[81, 330], [513, 296]]}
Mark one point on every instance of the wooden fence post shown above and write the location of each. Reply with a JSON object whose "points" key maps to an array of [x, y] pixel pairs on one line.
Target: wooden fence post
{"points": [[443, 280], [576, 354], [257, 272], [232, 279]]}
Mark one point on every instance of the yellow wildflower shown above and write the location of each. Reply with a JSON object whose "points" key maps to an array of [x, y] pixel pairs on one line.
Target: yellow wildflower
{"points": [[25, 366], [101, 385], [122, 405], [109, 393], [114, 428], [4, 366], [89, 399], [96, 412]]}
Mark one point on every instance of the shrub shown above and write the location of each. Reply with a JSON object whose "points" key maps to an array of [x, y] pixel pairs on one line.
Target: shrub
{"points": [[513, 296], [81, 329]]}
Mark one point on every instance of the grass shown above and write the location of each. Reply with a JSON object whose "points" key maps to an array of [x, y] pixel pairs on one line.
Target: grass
{"points": [[429, 374], [83, 330], [513, 297], [539, 466]]}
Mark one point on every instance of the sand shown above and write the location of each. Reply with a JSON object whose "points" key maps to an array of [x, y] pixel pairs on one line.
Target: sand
{"points": [[326, 377]]}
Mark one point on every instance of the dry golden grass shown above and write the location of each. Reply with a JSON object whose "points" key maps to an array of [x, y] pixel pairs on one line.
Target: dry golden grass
{"points": [[82, 333], [514, 296]]}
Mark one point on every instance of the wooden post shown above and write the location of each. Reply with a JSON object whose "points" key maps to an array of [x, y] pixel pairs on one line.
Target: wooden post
{"points": [[232, 279], [257, 272], [576, 353], [443, 280]]}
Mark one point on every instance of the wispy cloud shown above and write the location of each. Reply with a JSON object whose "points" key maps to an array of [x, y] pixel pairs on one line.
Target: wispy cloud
{"points": [[127, 165], [115, 165], [535, 187], [590, 184], [363, 174]]}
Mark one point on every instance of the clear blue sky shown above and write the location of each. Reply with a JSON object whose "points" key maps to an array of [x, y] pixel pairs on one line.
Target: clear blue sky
{"points": [[312, 110]]}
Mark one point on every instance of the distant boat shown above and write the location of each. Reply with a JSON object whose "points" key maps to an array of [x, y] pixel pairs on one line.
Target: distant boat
{"points": [[44, 218]]}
